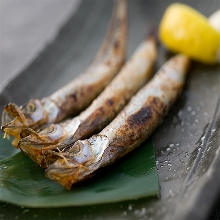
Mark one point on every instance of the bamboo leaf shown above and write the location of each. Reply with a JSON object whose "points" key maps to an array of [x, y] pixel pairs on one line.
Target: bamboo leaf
{"points": [[22, 182], [6, 150]]}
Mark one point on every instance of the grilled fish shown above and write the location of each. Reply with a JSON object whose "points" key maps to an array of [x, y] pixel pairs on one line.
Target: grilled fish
{"points": [[79, 93], [127, 131], [42, 146]]}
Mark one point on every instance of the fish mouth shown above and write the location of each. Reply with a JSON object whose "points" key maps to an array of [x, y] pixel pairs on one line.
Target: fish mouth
{"points": [[16, 118], [74, 165], [65, 172], [12, 130], [61, 175], [45, 148], [12, 111], [13, 120], [79, 161], [37, 152], [40, 148], [68, 170], [32, 150]]}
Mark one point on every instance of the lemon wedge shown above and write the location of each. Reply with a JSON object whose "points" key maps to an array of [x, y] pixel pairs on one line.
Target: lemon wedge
{"points": [[184, 30]]}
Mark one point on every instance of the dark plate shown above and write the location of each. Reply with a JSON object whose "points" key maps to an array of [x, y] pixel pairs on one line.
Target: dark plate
{"points": [[186, 143]]}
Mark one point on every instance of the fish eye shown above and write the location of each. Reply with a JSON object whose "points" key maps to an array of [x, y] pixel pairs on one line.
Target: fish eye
{"points": [[74, 149], [51, 129], [31, 107], [48, 130]]}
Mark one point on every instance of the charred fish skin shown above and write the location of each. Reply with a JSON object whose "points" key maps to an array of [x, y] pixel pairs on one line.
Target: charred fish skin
{"points": [[79, 93], [106, 65], [133, 75], [131, 127]]}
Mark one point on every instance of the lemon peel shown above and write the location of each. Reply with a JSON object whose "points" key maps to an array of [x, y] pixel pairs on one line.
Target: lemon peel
{"points": [[184, 30]]}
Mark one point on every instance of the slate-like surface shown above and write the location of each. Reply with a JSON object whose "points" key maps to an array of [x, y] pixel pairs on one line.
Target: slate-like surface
{"points": [[26, 26], [186, 143]]}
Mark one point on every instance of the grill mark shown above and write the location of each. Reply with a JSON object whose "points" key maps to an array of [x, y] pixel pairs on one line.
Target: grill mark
{"points": [[152, 108], [140, 124], [110, 102], [116, 44], [112, 153], [74, 96], [140, 117]]}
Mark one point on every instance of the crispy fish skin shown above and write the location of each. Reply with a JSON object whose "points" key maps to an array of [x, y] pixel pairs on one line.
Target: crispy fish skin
{"points": [[79, 93], [135, 73], [131, 127]]}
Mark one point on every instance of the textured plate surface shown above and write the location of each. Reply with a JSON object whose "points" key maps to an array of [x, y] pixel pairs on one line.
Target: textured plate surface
{"points": [[186, 143]]}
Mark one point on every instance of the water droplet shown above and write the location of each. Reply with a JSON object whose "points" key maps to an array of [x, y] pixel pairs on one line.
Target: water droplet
{"points": [[213, 131], [125, 213], [180, 113], [186, 154], [198, 108], [171, 194], [162, 152], [206, 114], [130, 207], [193, 113], [189, 108], [25, 211], [140, 213], [3, 167]]}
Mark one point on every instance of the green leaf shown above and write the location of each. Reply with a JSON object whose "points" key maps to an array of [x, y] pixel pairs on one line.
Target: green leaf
{"points": [[22, 182], [6, 149]]}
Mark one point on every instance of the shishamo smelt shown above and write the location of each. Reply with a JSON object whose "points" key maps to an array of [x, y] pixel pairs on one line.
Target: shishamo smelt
{"points": [[43, 146], [79, 93], [127, 131]]}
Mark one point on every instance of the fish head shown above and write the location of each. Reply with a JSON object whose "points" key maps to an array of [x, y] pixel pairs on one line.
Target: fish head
{"points": [[37, 144], [78, 162], [15, 118]]}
